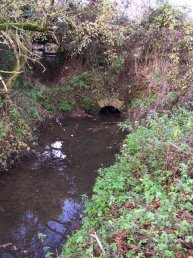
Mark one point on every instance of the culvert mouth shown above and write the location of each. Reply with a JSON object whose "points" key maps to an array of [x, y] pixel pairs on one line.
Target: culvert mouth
{"points": [[109, 110]]}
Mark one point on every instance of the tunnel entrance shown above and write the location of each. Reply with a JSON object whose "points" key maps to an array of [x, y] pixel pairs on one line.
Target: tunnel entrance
{"points": [[109, 110]]}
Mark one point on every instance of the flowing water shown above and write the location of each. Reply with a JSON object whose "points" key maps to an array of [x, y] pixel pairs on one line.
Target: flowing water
{"points": [[40, 201]]}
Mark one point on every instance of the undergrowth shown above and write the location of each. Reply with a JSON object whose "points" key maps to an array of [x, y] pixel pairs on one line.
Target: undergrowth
{"points": [[142, 205], [15, 134], [21, 114]]}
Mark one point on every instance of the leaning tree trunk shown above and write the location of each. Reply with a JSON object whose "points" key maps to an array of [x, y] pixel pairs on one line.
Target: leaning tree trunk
{"points": [[21, 47]]}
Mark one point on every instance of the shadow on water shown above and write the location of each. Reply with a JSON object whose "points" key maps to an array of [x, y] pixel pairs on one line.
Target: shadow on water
{"points": [[40, 201]]}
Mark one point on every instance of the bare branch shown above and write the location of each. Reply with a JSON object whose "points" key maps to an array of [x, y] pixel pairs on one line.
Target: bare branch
{"points": [[24, 26], [98, 241], [4, 85], [1, 71]]}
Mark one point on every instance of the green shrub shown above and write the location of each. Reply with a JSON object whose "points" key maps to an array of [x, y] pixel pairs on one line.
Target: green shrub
{"points": [[65, 106], [81, 81], [143, 102], [13, 113], [117, 64]]}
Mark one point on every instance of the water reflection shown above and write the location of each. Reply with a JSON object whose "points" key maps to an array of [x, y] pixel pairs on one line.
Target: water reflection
{"points": [[40, 201]]}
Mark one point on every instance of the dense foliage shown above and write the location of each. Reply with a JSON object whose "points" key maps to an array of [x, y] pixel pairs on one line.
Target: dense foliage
{"points": [[78, 29], [142, 205], [161, 58]]}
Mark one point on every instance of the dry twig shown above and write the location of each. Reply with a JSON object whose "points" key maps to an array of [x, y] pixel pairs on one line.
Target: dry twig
{"points": [[94, 236]]}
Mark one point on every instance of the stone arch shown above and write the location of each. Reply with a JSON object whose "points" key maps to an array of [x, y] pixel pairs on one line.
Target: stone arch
{"points": [[109, 110], [116, 104]]}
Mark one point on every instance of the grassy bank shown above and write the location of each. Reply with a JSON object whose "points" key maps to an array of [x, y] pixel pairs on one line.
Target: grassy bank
{"points": [[142, 205]]}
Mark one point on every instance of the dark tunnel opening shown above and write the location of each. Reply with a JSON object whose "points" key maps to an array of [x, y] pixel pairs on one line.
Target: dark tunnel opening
{"points": [[109, 110]]}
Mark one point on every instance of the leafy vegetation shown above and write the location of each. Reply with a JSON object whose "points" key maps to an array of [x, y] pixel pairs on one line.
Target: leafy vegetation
{"points": [[142, 205], [15, 136], [22, 112]]}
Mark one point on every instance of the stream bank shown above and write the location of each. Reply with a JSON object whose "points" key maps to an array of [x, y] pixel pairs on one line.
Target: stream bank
{"points": [[142, 205]]}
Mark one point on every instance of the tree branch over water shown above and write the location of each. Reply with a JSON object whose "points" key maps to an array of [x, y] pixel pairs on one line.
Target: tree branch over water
{"points": [[23, 26]]}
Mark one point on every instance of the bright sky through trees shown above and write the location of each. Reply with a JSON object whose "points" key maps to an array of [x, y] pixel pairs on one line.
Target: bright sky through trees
{"points": [[136, 8], [182, 3]]}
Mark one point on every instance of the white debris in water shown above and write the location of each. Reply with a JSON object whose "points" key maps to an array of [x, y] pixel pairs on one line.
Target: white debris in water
{"points": [[57, 154], [53, 151], [57, 145]]}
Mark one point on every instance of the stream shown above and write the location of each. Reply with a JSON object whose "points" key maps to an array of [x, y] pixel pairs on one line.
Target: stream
{"points": [[40, 200]]}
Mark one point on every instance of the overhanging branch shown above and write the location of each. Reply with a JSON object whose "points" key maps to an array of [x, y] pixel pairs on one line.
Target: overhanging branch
{"points": [[24, 26]]}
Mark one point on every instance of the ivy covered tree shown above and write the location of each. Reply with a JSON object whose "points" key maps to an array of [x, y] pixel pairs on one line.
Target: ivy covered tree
{"points": [[20, 22], [87, 30]]}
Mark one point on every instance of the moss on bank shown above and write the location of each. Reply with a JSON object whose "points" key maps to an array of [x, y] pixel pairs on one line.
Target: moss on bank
{"points": [[16, 129], [142, 205], [24, 26]]}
